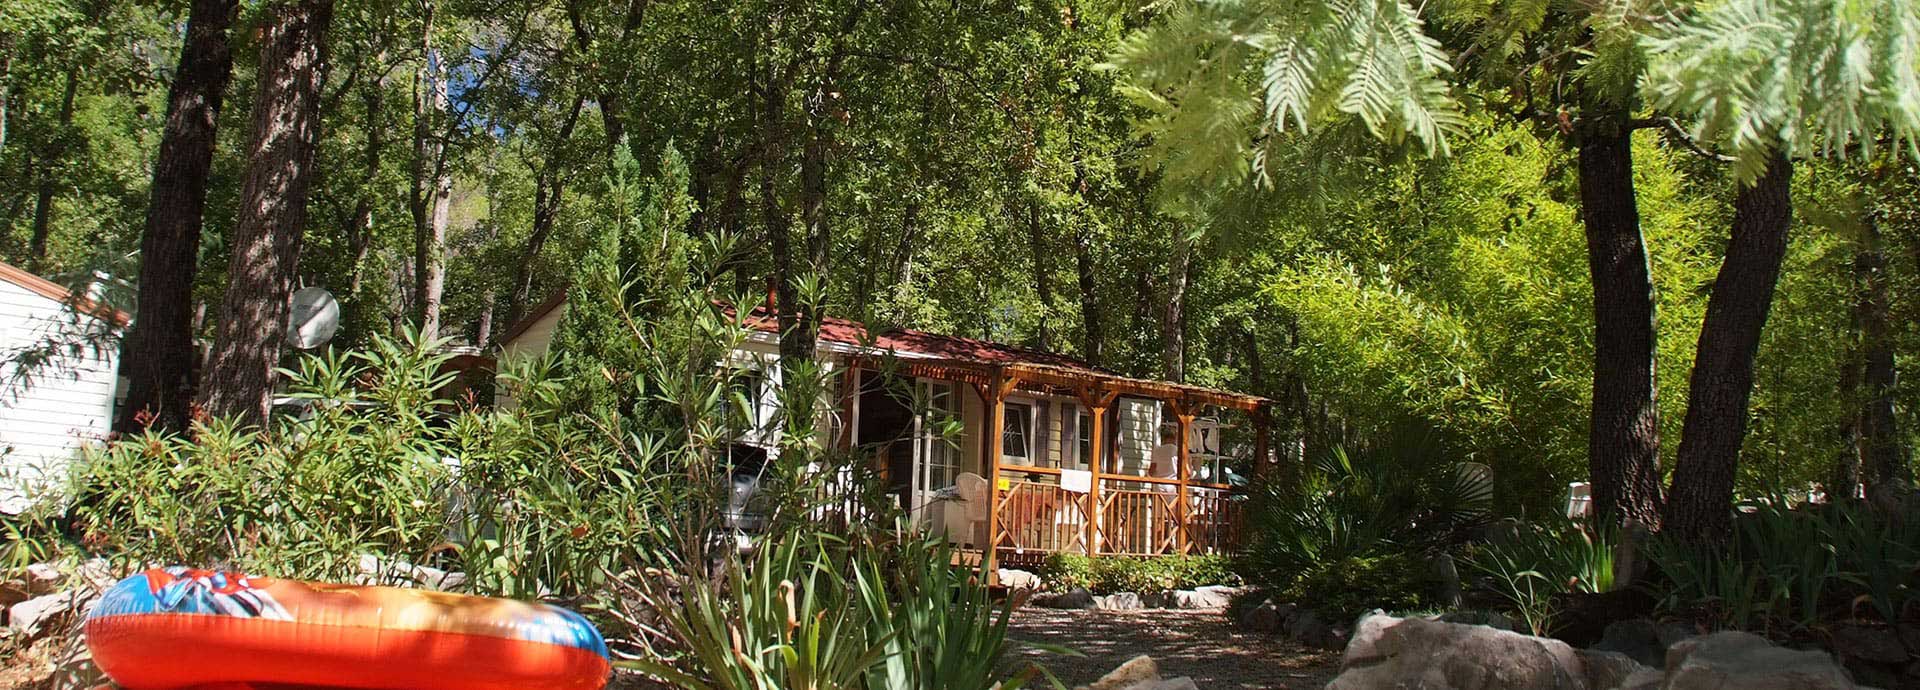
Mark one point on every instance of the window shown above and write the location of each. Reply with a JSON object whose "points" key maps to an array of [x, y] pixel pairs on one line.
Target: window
{"points": [[1016, 435], [1203, 452], [938, 452], [1084, 446], [746, 411]]}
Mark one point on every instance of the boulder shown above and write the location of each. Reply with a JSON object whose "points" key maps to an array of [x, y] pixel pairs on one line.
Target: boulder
{"points": [[1606, 670], [1268, 617], [40, 614], [1162, 599], [1491, 619], [394, 572], [1011, 578], [43, 579], [1744, 661], [1139, 673], [1203, 598], [1388, 652], [1637, 638], [1876, 643], [1076, 598], [1139, 669], [1119, 601]]}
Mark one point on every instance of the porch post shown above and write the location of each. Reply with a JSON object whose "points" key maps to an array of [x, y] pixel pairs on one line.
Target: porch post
{"points": [[1262, 449], [1096, 446], [1185, 416], [850, 404], [996, 437]]}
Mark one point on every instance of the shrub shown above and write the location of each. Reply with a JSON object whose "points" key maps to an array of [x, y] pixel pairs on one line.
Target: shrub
{"points": [[1535, 565], [1107, 575], [1787, 569], [1351, 586], [1391, 504]]}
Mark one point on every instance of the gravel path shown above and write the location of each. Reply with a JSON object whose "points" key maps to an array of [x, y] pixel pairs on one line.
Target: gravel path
{"points": [[1199, 644]]}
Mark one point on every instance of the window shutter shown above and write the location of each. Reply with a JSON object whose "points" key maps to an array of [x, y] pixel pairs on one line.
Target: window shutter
{"points": [[1043, 430]]}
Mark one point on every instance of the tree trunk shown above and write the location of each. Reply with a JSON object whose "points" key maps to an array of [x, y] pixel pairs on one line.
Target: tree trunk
{"points": [[1885, 463], [549, 188], [1042, 271], [6, 89], [1093, 332], [159, 368], [483, 333], [43, 194], [1844, 484], [431, 190], [360, 227], [1700, 503], [1623, 442], [909, 242], [273, 205], [1173, 321]]}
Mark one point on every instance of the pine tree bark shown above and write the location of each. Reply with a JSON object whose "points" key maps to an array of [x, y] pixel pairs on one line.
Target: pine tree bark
{"points": [[360, 226], [549, 188], [159, 347], [1093, 325], [1886, 468], [431, 190], [272, 215], [1042, 272], [1700, 502], [1173, 321], [1623, 443], [46, 187]]}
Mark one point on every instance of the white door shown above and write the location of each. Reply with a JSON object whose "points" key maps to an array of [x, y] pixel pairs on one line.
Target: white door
{"points": [[935, 460]]}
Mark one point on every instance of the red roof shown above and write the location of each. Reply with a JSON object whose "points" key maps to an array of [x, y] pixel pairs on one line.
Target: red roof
{"points": [[912, 343], [59, 293], [901, 341]]}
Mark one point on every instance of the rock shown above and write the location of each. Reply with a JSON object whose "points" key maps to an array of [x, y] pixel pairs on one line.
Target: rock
{"points": [[1268, 617], [1136, 670], [1076, 598], [1491, 619], [35, 616], [1672, 632], [99, 573], [1011, 578], [1118, 601], [1607, 670], [1876, 643], [1447, 576], [1910, 636], [1643, 679], [1139, 673], [1306, 627], [43, 579], [1162, 599], [1637, 638], [1214, 597], [1389, 652], [1745, 661], [394, 572]]}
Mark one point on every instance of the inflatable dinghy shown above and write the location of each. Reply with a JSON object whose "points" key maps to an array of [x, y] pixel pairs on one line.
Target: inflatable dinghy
{"points": [[176, 628]]}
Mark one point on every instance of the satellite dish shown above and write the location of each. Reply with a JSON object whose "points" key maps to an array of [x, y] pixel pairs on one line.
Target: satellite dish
{"points": [[313, 319]]}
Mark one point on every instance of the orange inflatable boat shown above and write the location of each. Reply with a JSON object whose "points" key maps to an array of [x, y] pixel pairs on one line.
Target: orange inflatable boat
{"points": [[176, 628]]}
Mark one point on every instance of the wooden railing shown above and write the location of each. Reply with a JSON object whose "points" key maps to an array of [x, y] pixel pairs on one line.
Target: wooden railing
{"points": [[1136, 516], [1036, 517]]}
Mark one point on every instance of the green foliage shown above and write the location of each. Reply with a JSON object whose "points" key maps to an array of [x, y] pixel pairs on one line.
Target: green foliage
{"points": [[874, 611], [1217, 76], [1346, 587], [1790, 568], [1392, 500], [1791, 76], [1109, 574], [1533, 566]]}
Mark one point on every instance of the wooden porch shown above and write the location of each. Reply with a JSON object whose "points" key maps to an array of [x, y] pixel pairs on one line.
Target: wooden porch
{"points": [[1102, 510]]}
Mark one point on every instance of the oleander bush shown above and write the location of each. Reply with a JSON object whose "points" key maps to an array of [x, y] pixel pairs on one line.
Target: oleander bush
{"points": [[1110, 574]]}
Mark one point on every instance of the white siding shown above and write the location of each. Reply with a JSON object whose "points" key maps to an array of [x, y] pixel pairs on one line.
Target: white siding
{"points": [[1139, 430], [67, 403], [533, 342]]}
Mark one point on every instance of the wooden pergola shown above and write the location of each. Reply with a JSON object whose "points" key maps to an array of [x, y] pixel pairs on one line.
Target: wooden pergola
{"points": [[1190, 516]]}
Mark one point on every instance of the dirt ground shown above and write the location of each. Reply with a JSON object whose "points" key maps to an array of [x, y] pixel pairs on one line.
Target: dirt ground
{"points": [[1200, 644]]}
